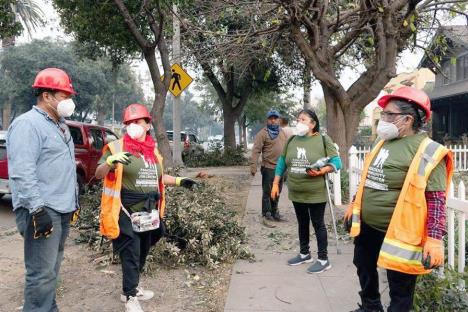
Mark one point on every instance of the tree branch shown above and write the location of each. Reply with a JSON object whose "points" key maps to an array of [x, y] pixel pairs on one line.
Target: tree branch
{"points": [[156, 29], [142, 42]]}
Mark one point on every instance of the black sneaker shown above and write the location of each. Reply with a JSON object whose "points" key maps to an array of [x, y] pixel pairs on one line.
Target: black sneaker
{"points": [[318, 267], [267, 216], [362, 309], [300, 259], [279, 218]]}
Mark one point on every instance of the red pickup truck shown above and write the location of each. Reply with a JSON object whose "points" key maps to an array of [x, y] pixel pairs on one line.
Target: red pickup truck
{"points": [[89, 140]]}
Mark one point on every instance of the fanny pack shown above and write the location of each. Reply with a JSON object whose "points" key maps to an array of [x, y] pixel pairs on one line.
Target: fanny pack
{"points": [[143, 221]]}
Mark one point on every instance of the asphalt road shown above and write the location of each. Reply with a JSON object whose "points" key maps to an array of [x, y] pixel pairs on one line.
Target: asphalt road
{"points": [[7, 217]]}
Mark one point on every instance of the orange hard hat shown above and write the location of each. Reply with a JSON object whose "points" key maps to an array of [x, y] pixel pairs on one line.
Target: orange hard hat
{"points": [[54, 79], [412, 95], [136, 111]]}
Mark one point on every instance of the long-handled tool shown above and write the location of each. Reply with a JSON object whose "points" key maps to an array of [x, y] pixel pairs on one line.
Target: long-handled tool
{"points": [[317, 165], [330, 204]]}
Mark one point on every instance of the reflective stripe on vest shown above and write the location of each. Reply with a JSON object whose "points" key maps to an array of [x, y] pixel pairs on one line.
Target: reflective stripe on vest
{"points": [[401, 252], [428, 157], [111, 192]]}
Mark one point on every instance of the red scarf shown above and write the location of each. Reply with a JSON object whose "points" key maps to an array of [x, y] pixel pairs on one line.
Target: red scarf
{"points": [[137, 148]]}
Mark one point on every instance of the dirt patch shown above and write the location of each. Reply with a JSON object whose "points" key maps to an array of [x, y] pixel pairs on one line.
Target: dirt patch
{"points": [[86, 286]]}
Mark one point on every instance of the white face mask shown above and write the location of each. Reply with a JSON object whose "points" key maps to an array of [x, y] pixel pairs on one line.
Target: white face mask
{"points": [[301, 129], [65, 108], [135, 131], [388, 130]]}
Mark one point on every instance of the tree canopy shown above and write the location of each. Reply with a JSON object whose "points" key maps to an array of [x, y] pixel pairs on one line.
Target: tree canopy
{"points": [[93, 79]]}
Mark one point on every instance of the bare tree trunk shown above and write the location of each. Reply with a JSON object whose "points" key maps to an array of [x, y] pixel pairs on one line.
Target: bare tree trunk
{"points": [[6, 109], [244, 132], [307, 80], [341, 123], [229, 128], [157, 111], [239, 129], [6, 114], [101, 116]]}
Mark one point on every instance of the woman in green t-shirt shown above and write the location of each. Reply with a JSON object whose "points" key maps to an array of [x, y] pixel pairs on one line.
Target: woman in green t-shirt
{"points": [[306, 185], [142, 188]]}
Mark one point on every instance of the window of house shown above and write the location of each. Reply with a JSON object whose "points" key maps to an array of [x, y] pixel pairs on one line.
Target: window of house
{"points": [[465, 67], [446, 73], [460, 69]]}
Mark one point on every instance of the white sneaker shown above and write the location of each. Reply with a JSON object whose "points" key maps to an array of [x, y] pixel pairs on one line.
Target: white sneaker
{"points": [[142, 295], [132, 305]]}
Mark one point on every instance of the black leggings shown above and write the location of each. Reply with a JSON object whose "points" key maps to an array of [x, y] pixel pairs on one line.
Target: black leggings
{"points": [[133, 259], [315, 213]]}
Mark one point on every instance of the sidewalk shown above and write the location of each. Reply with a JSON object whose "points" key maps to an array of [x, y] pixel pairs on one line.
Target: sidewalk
{"points": [[268, 284]]}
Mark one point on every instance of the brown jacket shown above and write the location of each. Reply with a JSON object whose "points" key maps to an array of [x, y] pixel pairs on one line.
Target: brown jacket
{"points": [[270, 149]]}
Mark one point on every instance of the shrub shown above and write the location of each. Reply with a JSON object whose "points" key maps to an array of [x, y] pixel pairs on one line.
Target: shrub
{"points": [[437, 294], [217, 157]]}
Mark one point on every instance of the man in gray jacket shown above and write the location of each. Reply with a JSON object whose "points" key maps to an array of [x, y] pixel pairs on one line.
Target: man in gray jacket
{"points": [[42, 171], [269, 142]]}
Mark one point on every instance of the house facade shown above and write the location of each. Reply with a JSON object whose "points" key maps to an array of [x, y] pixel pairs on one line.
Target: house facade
{"points": [[449, 96]]}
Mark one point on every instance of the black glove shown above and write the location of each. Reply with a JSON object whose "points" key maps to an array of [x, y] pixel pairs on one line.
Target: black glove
{"points": [[348, 224], [426, 262], [186, 182], [42, 223]]}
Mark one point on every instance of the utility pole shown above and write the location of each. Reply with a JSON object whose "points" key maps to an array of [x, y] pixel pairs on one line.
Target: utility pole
{"points": [[176, 124]]}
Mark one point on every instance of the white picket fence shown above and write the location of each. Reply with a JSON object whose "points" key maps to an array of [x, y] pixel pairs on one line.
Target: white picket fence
{"points": [[460, 157], [457, 204], [457, 210]]}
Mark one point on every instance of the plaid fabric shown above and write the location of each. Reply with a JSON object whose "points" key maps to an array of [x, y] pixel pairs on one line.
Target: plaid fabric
{"points": [[436, 214]]}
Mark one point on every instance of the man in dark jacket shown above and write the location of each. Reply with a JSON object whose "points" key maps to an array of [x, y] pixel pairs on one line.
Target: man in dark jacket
{"points": [[269, 142]]}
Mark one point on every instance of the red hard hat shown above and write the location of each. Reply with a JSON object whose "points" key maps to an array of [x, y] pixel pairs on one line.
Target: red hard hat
{"points": [[136, 111], [54, 79], [411, 95]]}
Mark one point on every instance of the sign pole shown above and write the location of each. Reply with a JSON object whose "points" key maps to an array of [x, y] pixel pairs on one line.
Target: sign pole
{"points": [[176, 110]]}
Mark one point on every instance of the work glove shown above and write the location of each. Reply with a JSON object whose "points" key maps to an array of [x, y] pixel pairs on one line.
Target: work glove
{"points": [[433, 253], [319, 172], [42, 223], [275, 191], [185, 182], [75, 215], [122, 157]]}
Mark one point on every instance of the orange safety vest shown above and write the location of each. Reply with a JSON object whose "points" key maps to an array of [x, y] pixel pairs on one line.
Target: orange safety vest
{"points": [[110, 199], [406, 234]]}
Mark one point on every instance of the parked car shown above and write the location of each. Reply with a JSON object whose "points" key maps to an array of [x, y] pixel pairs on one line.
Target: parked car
{"points": [[189, 142], [89, 140]]}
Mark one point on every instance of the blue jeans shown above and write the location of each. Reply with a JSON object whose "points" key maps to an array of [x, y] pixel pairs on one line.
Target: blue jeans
{"points": [[42, 259]]}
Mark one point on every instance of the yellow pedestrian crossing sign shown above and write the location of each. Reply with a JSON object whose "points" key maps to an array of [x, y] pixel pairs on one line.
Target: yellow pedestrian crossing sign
{"points": [[180, 80]]}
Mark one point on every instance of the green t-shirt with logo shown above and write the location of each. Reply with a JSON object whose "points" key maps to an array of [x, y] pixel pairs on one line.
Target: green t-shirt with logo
{"points": [[385, 178], [138, 176], [300, 153]]}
